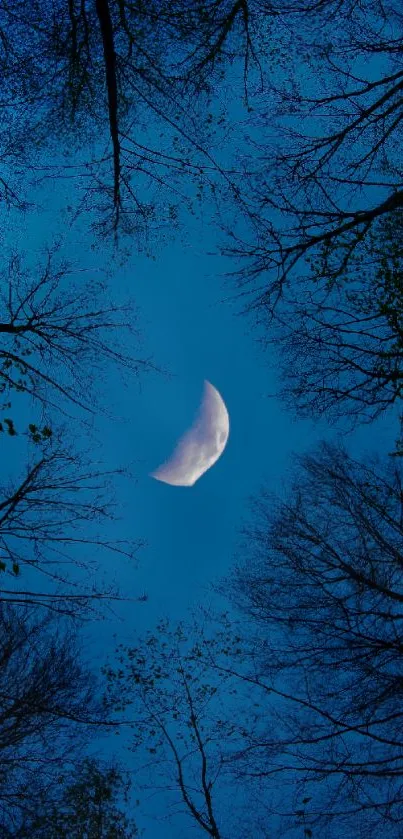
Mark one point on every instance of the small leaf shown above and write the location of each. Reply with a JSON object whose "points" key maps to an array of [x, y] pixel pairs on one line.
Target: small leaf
{"points": [[10, 427]]}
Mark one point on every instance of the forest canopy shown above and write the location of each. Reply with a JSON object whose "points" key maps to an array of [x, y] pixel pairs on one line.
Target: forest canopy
{"points": [[279, 713]]}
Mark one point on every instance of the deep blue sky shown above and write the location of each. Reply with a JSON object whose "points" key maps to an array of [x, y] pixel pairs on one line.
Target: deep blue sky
{"points": [[195, 332], [192, 533], [190, 323]]}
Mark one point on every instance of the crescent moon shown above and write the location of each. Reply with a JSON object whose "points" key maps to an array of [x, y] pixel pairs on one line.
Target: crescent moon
{"points": [[201, 446]]}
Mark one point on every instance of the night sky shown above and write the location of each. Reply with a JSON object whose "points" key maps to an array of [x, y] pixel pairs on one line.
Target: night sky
{"points": [[190, 322], [191, 534]]}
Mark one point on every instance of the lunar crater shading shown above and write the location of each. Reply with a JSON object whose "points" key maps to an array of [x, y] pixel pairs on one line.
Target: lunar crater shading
{"points": [[200, 447]]}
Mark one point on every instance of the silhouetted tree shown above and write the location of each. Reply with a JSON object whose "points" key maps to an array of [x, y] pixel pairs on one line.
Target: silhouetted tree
{"points": [[341, 343], [330, 167], [50, 712], [124, 67], [87, 802], [57, 334], [322, 584], [184, 726], [53, 532]]}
